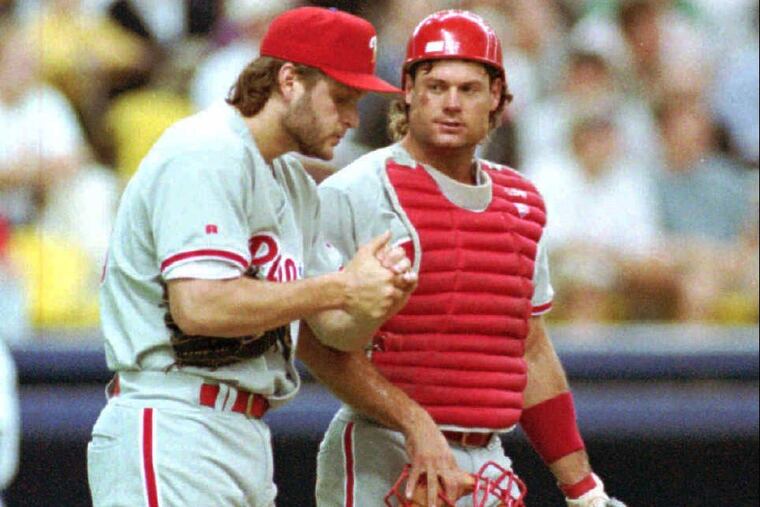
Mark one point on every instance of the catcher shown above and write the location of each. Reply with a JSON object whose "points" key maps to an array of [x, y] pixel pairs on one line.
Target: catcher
{"points": [[206, 275], [468, 358]]}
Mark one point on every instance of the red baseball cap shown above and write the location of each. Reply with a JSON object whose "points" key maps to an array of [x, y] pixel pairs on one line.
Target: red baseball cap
{"points": [[341, 45]]}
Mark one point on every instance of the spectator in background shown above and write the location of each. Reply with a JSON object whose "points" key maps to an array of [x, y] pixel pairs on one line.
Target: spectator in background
{"points": [[57, 199], [88, 57], [604, 229], [707, 204], [736, 96], [217, 72], [41, 141], [10, 433], [702, 193], [667, 45], [589, 84], [533, 32]]}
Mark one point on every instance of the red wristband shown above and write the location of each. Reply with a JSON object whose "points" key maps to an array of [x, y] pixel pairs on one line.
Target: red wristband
{"points": [[580, 488], [551, 427]]}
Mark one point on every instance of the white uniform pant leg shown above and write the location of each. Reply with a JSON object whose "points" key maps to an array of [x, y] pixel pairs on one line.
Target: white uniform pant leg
{"points": [[173, 455], [472, 459], [359, 461]]}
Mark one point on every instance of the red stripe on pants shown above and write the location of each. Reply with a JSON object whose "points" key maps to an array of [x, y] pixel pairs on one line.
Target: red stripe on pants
{"points": [[147, 451], [348, 450]]}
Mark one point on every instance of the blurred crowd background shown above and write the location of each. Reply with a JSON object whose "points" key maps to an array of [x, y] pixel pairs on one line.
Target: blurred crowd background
{"points": [[637, 119]]}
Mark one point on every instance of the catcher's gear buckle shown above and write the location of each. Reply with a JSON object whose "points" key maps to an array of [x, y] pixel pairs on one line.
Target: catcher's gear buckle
{"points": [[491, 482]]}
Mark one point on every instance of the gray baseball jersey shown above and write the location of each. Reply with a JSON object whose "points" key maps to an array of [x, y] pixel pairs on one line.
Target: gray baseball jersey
{"points": [[204, 204], [359, 460]]}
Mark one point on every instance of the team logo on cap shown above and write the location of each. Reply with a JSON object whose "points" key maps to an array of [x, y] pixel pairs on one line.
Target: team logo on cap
{"points": [[373, 47]]}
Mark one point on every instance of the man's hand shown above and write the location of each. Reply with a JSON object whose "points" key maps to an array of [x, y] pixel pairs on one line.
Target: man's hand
{"points": [[420, 495], [374, 290], [431, 458], [404, 279]]}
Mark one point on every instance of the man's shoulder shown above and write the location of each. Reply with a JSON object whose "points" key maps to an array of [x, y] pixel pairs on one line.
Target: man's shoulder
{"points": [[361, 173], [510, 174], [206, 130], [202, 140]]}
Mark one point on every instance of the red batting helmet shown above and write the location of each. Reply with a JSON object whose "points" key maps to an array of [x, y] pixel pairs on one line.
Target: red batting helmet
{"points": [[492, 485], [454, 34]]}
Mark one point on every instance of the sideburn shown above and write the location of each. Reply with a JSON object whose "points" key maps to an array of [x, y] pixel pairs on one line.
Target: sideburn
{"points": [[299, 123]]}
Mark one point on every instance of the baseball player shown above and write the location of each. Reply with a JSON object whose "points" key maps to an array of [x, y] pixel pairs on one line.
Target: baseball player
{"points": [[207, 268], [468, 358]]}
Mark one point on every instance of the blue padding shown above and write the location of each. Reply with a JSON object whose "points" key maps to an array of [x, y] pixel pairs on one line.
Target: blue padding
{"points": [[77, 366], [610, 410]]}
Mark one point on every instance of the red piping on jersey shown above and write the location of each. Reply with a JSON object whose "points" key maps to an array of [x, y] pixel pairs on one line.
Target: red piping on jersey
{"points": [[151, 489], [541, 309], [205, 253], [457, 347], [348, 449]]}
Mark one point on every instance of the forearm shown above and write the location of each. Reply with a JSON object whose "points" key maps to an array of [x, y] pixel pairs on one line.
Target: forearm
{"points": [[245, 306], [546, 377], [355, 381], [343, 331], [547, 384]]}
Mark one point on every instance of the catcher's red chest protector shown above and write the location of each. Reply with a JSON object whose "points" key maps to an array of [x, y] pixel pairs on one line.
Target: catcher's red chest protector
{"points": [[457, 347]]}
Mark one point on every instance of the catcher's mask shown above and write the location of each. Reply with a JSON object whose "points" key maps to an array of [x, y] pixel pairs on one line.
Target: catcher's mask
{"points": [[493, 485]]}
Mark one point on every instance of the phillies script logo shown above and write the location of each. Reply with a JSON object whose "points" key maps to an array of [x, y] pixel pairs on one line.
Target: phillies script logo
{"points": [[266, 255]]}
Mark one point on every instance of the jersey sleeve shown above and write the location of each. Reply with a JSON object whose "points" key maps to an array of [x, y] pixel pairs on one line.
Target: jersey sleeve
{"points": [[323, 257], [203, 270], [336, 224], [543, 292], [199, 211]]}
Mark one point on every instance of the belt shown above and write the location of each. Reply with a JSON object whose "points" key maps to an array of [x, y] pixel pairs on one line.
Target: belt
{"points": [[468, 438], [247, 403], [213, 396]]}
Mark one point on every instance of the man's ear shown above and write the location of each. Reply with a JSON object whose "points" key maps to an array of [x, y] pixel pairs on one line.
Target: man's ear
{"points": [[408, 87], [497, 85], [287, 81]]}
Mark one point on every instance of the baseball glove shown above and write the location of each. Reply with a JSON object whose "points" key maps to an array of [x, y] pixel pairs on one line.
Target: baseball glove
{"points": [[492, 485], [213, 352]]}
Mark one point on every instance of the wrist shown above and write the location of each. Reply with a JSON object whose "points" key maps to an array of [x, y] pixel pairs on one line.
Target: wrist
{"points": [[579, 488], [333, 292], [412, 418]]}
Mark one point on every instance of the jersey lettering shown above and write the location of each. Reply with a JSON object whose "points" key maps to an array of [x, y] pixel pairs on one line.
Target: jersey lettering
{"points": [[267, 255]]}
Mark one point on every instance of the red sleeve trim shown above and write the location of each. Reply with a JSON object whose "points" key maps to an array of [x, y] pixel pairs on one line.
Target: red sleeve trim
{"points": [[230, 256], [541, 309]]}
